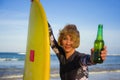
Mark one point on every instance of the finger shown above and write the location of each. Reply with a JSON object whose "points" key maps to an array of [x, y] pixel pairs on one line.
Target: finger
{"points": [[103, 55], [105, 47], [104, 52], [103, 58], [92, 50]]}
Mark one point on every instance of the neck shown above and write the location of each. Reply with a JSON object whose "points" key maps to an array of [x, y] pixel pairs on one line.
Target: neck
{"points": [[68, 54]]}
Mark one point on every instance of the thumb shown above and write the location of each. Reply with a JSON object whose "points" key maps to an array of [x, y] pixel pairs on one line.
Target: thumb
{"points": [[92, 50]]}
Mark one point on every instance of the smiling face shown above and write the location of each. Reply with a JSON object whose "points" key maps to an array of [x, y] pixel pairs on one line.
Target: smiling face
{"points": [[67, 44], [69, 38]]}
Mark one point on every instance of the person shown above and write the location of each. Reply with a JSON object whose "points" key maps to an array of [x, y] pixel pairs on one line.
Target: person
{"points": [[73, 64]]}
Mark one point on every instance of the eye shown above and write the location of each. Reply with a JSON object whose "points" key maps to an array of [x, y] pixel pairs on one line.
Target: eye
{"points": [[64, 38]]}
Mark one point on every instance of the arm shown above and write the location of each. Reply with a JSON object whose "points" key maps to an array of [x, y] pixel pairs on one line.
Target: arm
{"points": [[86, 60], [53, 43]]}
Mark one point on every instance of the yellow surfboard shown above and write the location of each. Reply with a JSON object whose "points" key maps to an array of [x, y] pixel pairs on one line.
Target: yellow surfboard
{"points": [[37, 62]]}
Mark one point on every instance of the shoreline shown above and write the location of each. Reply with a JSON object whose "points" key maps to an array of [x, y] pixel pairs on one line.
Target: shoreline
{"points": [[111, 75]]}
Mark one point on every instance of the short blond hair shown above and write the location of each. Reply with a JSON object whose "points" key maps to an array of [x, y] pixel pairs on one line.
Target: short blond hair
{"points": [[72, 31]]}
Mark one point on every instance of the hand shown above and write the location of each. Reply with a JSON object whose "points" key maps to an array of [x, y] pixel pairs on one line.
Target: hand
{"points": [[103, 53]]}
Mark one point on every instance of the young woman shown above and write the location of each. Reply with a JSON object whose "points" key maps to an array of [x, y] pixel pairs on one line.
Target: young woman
{"points": [[73, 64]]}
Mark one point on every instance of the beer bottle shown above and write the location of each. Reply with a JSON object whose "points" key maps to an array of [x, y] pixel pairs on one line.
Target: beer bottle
{"points": [[98, 45]]}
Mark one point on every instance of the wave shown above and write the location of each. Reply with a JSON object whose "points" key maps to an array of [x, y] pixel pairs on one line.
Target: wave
{"points": [[101, 72], [113, 54], [12, 76], [22, 53], [11, 59]]}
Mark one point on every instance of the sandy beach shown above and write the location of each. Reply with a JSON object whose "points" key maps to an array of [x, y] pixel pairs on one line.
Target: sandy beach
{"points": [[109, 75]]}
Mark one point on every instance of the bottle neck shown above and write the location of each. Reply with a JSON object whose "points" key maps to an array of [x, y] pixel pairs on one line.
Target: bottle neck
{"points": [[100, 32]]}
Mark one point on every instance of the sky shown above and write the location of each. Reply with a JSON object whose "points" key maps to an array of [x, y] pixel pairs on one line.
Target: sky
{"points": [[85, 14]]}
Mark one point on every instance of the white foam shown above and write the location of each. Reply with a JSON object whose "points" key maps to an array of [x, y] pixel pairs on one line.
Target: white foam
{"points": [[23, 53], [8, 59], [11, 76], [101, 72]]}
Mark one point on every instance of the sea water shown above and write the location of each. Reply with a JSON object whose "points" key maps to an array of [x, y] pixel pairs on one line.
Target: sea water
{"points": [[15, 61]]}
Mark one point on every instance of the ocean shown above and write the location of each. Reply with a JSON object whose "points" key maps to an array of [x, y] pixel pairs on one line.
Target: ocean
{"points": [[13, 64]]}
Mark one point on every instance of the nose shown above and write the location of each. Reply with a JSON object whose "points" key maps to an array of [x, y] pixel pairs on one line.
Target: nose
{"points": [[68, 42]]}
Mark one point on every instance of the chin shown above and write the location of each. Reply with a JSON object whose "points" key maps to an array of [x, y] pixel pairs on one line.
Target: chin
{"points": [[67, 51]]}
